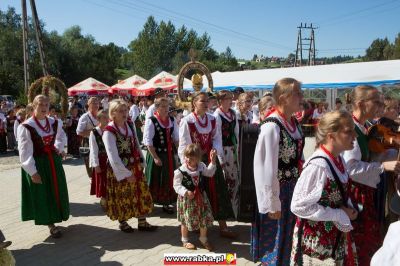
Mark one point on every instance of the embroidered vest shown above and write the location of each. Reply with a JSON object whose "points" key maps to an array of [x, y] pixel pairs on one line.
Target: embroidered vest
{"points": [[99, 141], [204, 140], [228, 130], [187, 181], [160, 137], [39, 143], [290, 152]]}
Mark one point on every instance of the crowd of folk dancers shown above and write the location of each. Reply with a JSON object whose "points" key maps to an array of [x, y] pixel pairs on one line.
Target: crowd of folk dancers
{"points": [[329, 208]]}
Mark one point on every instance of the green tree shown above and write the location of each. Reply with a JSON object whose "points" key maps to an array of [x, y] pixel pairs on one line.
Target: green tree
{"points": [[375, 51]]}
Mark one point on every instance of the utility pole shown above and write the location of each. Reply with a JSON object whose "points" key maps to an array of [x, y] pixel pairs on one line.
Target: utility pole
{"points": [[26, 44], [305, 44]]}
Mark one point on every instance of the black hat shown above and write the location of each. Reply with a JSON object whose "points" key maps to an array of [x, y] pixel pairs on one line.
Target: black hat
{"points": [[158, 91], [238, 90], [395, 201], [211, 95]]}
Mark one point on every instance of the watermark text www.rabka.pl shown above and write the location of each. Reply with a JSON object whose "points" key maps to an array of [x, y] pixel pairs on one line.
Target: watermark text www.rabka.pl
{"points": [[200, 259]]}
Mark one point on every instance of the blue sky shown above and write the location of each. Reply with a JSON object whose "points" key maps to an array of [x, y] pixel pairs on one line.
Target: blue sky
{"points": [[248, 27]]}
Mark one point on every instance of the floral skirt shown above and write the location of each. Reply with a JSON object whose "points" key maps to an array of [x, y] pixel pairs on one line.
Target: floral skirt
{"points": [[271, 240], [125, 200], [192, 215]]}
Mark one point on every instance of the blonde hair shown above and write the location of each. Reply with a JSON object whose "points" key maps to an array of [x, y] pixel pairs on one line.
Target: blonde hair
{"points": [[265, 103], [331, 122], [38, 99], [92, 99], [114, 105], [160, 101], [192, 150], [223, 94], [390, 103], [21, 111], [284, 86], [359, 94]]}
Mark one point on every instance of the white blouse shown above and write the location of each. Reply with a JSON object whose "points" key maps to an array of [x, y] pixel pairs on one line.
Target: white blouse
{"points": [[94, 149], [185, 138], [150, 111], [149, 131], [366, 173], [25, 144], [205, 171], [217, 114], [134, 112], [308, 190], [16, 124], [110, 143], [85, 123], [266, 166]]}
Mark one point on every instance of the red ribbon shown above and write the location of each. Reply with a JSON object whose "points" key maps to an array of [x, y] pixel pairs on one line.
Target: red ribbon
{"points": [[197, 193], [49, 149]]}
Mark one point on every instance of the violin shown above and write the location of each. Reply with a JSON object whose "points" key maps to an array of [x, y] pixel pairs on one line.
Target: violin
{"points": [[384, 135]]}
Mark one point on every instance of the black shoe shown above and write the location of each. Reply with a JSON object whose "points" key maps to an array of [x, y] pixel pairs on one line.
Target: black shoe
{"points": [[168, 209], [125, 227], [147, 227]]}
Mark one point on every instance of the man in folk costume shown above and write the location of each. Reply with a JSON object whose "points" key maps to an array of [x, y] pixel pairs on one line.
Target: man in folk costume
{"points": [[127, 192], [86, 123], [44, 187], [228, 129], [200, 127], [158, 93], [161, 136]]}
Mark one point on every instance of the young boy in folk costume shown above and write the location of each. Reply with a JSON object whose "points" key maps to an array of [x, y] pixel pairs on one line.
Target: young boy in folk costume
{"points": [[161, 136], [44, 188], [194, 210], [365, 175], [320, 199], [277, 165], [98, 158], [127, 192], [199, 127], [228, 128]]}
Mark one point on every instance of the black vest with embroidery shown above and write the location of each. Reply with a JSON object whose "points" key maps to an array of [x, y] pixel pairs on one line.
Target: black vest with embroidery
{"points": [[160, 136], [99, 141], [290, 152], [187, 181], [228, 130]]}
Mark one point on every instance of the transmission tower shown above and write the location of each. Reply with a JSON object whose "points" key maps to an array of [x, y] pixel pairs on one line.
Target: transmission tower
{"points": [[305, 44], [25, 41]]}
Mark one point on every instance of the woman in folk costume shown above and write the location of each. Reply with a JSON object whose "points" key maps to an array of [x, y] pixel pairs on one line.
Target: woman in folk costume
{"points": [[194, 210], [127, 192], [98, 159], [161, 136], [200, 128], [365, 175], [74, 141], [228, 126], [320, 199], [244, 104], [86, 123], [277, 166], [44, 188], [266, 108]]}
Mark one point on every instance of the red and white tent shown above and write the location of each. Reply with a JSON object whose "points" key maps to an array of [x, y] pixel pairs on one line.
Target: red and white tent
{"points": [[89, 86], [162, 80], [127, 86]]}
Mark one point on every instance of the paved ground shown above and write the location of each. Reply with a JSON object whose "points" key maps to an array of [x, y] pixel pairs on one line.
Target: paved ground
{"points": [[90, 238]]}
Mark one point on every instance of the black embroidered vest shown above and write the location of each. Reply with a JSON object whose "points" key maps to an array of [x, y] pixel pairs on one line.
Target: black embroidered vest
{"points": [[160, 136], [228, 130]]}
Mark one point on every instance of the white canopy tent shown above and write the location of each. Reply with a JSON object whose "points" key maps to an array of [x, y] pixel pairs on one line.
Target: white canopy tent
{"points": [[312, 77]]}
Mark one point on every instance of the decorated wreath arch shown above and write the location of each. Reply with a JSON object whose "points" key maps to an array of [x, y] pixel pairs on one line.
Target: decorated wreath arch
{"points": [[43, 86]]}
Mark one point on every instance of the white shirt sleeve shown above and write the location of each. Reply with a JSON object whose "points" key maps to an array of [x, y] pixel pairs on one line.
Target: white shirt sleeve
{"points": [[217, 141], [178, 187], [16, 124], [208, 170], [362, 172], [217, 137], [184, 139], [25, 147], [61, 137], [266, 169], [306, 195], [94, 151], [82, 122], [110, 143], [149, 132], [150, 111], [134, 112]]}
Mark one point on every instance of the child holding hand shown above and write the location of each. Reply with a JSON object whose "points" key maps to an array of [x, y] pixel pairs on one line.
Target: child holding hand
{"points": [[193, 206]]}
